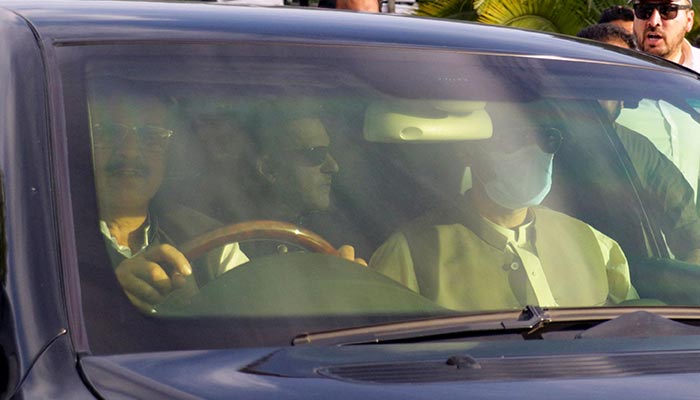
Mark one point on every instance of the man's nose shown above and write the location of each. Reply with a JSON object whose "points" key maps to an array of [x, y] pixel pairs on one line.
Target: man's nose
{"points": [[329, 166], [130, 145], [655, 18]]}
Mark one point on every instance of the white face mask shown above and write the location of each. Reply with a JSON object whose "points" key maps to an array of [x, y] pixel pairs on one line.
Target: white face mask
{"points": [[520, 179]]}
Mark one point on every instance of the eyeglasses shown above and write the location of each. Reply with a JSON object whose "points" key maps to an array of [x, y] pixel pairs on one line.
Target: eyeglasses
{"points": [[311, 156], [111, 135], [666, 10]]}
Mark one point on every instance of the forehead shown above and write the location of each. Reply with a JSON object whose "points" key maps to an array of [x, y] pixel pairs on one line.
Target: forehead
{"points": [[126, 108], [515, 125], [307, 132], [509, 116]]}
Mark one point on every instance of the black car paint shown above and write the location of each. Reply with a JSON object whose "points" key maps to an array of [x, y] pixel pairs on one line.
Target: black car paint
{"points": [[42, 333]]}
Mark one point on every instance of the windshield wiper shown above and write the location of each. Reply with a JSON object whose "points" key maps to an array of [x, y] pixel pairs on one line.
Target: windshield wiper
{"points": [[529, 320]]}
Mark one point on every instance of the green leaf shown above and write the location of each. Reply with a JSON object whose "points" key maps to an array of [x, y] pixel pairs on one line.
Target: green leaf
{"points": [[563, 16], [453, 9]]}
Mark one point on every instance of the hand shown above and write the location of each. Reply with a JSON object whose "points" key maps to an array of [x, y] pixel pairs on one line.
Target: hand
{"points": [[348, 252], [149, 277]]}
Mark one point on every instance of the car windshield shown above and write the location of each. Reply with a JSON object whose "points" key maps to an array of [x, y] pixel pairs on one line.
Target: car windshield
{"points": [[315, 187]]}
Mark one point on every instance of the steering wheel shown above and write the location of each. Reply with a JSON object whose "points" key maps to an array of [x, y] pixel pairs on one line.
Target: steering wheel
{"points": [[256, 229], [311, 286]]}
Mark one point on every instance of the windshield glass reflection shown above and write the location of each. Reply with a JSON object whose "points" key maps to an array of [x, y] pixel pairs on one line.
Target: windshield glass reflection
{"points": [[244, 184]]}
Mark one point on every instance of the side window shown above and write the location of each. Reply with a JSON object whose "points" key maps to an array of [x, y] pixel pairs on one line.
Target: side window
{"points": [[671, 128]]}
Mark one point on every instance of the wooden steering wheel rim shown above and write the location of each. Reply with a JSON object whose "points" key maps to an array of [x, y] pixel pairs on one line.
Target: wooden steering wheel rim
{"points": [[256, 229]]}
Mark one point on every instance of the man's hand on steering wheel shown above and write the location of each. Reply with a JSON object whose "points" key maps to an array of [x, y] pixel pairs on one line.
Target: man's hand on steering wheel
{"points": [[149, 277], [348, 252], [265, 229]]}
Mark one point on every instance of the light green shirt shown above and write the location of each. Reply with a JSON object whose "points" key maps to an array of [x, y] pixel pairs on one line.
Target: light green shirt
{"points": [[554, 260]]}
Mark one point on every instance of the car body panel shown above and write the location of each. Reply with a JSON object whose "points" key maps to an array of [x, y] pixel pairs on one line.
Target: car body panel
{"points": [[75, 23], [28, 186], [218, 374], [43, 333]]}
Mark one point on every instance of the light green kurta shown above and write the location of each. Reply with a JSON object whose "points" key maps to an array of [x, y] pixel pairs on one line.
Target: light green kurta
{"points": [[468, 266]]}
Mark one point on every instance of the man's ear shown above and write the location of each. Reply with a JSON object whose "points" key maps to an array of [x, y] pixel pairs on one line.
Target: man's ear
{"points": [[690, 21], [265, 169]]}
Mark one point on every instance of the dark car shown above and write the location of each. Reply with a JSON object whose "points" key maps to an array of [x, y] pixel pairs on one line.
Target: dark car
{"points": [[192, 193]]}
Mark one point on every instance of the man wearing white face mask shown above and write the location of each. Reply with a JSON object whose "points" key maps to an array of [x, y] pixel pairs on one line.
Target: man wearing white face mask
{"points": [[499, 249]]}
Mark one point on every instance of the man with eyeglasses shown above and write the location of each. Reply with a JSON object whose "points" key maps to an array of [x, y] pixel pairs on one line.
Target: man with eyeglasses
{"points": [[498, 249], [131, 134], [661, 26]]}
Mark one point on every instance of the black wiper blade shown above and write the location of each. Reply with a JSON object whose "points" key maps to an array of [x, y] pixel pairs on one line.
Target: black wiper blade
{"points": [[529, 320]]}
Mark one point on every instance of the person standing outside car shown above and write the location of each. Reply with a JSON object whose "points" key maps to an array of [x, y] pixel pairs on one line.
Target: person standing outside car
{"points": [[662, 182], [609, 33], [618, 15], [660, 28]]}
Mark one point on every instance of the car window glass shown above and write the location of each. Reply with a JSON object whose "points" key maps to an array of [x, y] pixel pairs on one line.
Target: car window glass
{"points": [[469, 183]]}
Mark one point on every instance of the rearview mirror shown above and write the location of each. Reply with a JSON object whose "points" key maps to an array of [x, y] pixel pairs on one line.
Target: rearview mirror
{"points": [[427, 121]]}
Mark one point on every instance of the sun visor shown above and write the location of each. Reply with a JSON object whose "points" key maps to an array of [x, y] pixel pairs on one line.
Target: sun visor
{"points": [[427, 121]]}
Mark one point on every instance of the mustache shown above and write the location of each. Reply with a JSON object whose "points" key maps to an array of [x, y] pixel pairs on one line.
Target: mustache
{"points": [[117, 166]]}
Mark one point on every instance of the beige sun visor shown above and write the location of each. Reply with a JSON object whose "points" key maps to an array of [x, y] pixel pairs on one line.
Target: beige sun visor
{"points": [[427, 121]]}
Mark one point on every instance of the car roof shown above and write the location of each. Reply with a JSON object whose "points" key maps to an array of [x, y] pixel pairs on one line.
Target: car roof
{"points": [[75, 22]]}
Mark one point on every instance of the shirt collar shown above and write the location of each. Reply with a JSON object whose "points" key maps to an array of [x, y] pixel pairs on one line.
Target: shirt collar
{"points": [[125, 250], [687, 54], [495, 235]]}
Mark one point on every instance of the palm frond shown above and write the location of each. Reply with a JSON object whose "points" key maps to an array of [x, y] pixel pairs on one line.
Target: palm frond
{"points": [[591, 14], [695, 32], [563, 16], [452, 9]]}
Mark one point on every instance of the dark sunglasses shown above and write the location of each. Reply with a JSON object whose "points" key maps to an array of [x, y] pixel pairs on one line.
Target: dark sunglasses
{"points": [[111, 135], [666, 10], [310, 157]]}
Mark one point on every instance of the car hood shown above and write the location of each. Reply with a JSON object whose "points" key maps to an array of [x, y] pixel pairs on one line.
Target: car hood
{"points": [[569, 369]]}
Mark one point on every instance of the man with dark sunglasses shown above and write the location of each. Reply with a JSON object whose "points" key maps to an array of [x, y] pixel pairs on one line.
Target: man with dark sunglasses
{"points": [[665, 186], [661, 26], [294, 163], [499, 249]]}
